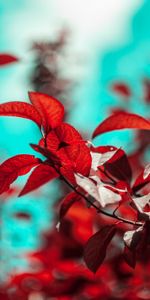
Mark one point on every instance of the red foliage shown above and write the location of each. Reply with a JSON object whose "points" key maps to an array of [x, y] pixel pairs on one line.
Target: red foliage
{"points": [[21, 110], [14, 167], [96, 246], [6, 59], [122, 120], [50, 109], [101, 182], [40, 175]]}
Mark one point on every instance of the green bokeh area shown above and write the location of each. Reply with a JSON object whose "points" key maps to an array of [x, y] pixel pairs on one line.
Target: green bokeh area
{"points": [[129, 62]]}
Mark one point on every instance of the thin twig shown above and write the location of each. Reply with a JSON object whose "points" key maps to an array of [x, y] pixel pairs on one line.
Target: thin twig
{"points": [[99, 210]]}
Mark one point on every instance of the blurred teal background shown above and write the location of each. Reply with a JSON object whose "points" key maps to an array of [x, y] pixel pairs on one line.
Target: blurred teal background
{"points": [[109, 41]]}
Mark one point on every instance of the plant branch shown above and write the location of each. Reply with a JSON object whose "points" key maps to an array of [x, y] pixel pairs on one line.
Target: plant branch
{"points": [[99, 210]]}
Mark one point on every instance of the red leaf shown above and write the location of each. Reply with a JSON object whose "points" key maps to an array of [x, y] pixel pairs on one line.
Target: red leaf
{"points": [[99, 159], [7, 59], [142, 204], [73, 151], [68, 134], [119, 167], [14, 167], [138, 241], [96, 246], [140, 182], [68, 201], [103, 149], [83, 161], [68, 173], [61, 137], [50, 109], [104, 194], [121, 89], [122, 121], [40, 175], [132, 238], [20, 109]]}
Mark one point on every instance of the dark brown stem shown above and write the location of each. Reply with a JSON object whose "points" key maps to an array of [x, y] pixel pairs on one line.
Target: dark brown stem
{"points": [[114, 212]]}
